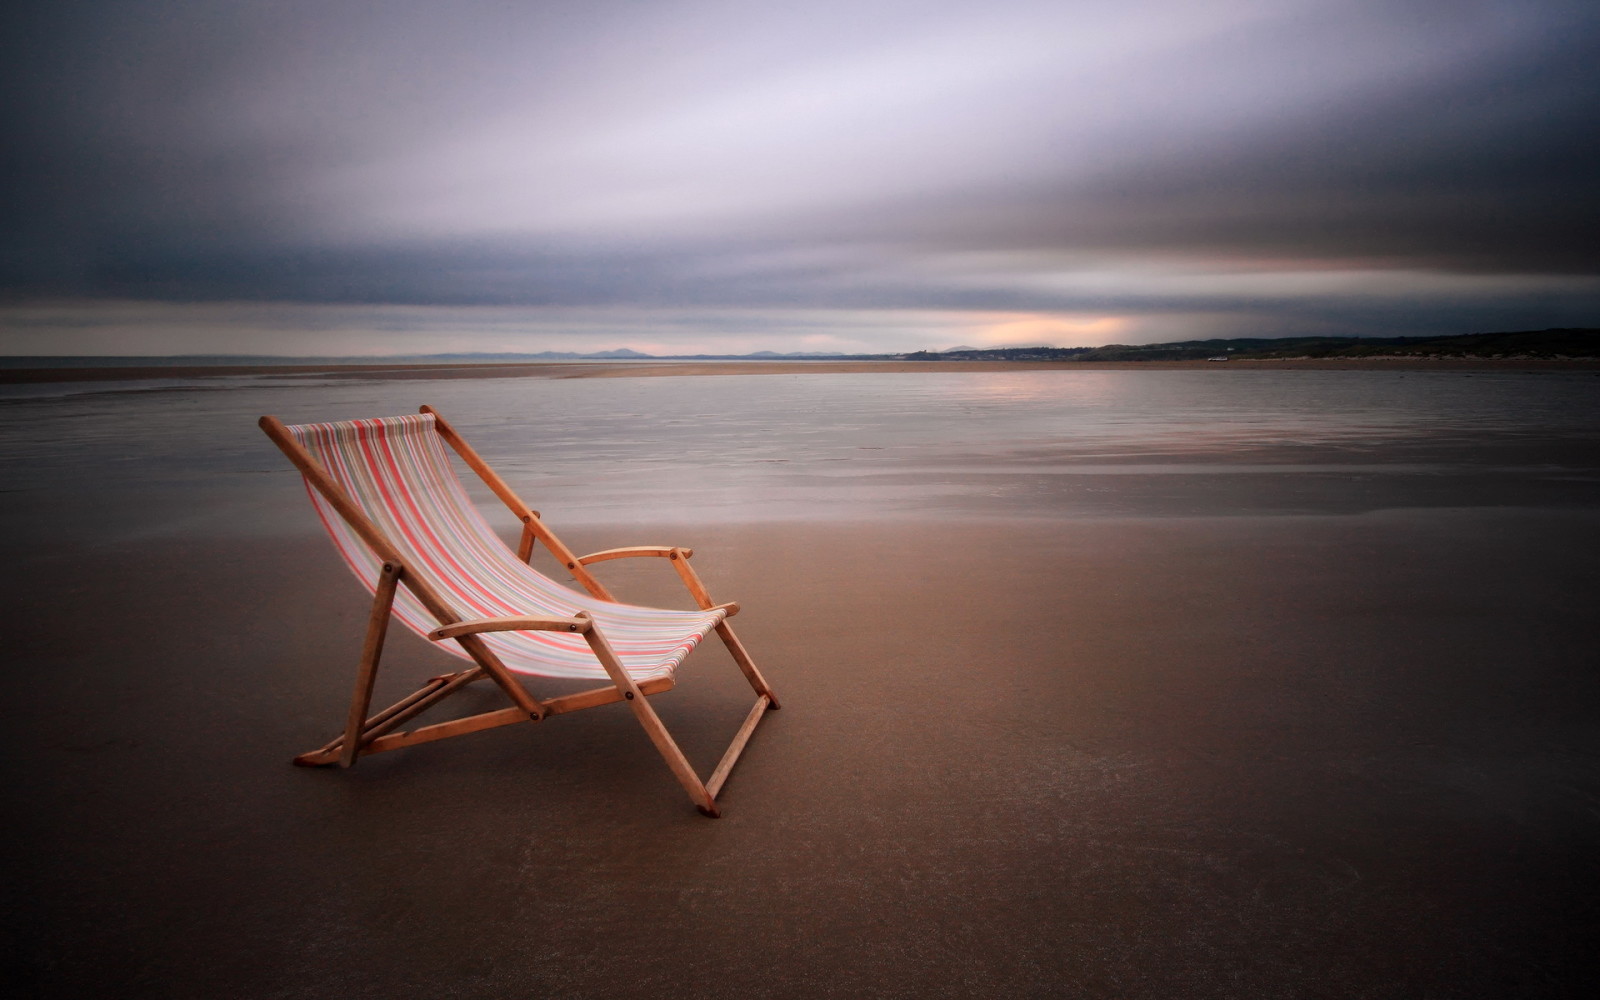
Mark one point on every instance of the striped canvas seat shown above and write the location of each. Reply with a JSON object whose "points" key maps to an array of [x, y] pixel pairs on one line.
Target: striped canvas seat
{"points": [[397, 471]]}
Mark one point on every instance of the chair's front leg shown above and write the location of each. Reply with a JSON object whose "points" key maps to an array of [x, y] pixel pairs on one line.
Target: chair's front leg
{"points": [[653, 727]]}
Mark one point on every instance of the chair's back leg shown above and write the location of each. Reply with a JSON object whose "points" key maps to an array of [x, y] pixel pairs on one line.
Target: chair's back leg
{"points": [[371, 653], [746, 665]]}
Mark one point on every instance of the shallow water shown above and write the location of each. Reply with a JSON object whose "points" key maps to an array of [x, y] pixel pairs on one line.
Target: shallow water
{"points": [[852, 446]]}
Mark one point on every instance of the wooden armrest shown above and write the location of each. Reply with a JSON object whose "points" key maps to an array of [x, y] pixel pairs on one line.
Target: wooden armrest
{"points": [[663, 551], [680, 562], [477, 625]]}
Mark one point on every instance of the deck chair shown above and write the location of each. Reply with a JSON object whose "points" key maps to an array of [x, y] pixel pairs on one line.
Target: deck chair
{"points": [[388, 495]]}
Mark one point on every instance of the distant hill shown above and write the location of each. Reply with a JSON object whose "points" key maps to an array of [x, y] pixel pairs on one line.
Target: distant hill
{"points": [[1566, 342], [999, 354], [460, 357]]}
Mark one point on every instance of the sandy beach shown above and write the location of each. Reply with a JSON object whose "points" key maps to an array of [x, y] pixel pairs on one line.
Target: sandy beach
{"points": [[1314, 755], [1108, 760]]}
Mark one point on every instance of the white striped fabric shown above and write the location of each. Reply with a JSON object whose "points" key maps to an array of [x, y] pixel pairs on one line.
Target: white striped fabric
{"points": [[396, 470]]}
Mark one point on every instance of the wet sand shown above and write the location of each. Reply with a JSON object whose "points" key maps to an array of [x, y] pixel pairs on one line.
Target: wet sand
{"points": [[623, 369], [1164, 757]]}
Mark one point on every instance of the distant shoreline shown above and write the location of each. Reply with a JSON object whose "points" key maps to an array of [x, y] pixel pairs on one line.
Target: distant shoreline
{"points": [[632, 369]]}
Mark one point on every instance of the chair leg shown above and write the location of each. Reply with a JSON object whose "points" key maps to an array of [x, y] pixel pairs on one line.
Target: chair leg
{"points": [[730, 756], [746, 665], [359, 730], [651, 723], [412, 705], [371, 653], [699, 794]]}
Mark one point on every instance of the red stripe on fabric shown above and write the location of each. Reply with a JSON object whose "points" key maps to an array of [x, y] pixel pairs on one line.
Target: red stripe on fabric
{"points": [[427, 545]]}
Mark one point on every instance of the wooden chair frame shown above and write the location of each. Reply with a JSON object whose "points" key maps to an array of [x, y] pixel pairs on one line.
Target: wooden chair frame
{"points": [[365, 734]]}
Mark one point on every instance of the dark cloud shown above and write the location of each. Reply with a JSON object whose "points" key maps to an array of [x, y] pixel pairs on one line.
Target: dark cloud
{"points": [[1016, 156], [1489, 172]]}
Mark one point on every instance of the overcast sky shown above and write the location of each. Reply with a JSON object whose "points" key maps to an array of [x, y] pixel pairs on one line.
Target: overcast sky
{"points": [[334, 176]]}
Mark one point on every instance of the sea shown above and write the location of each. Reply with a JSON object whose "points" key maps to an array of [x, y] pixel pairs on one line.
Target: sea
{"points": [[183, 454]]}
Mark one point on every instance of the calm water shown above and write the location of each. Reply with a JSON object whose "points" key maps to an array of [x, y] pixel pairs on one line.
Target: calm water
{"points": [[174, 455]]}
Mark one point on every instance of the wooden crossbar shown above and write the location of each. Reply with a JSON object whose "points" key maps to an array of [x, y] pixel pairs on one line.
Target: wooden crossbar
{"points": [[412, 705], [508, 716]]}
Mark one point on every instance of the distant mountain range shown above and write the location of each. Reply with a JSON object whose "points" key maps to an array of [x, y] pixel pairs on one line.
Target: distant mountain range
{"points": [[464, 358], [626, 354], [1565, 342]]}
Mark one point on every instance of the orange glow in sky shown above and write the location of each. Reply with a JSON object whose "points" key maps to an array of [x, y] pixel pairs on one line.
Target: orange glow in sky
{"points": [[1041, 330]]}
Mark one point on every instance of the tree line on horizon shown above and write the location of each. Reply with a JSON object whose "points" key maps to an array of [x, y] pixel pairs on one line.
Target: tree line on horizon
{"points": [[1563, 342]]}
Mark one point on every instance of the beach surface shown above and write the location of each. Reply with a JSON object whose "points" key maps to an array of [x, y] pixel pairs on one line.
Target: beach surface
{"points": [[1202, 749]]}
